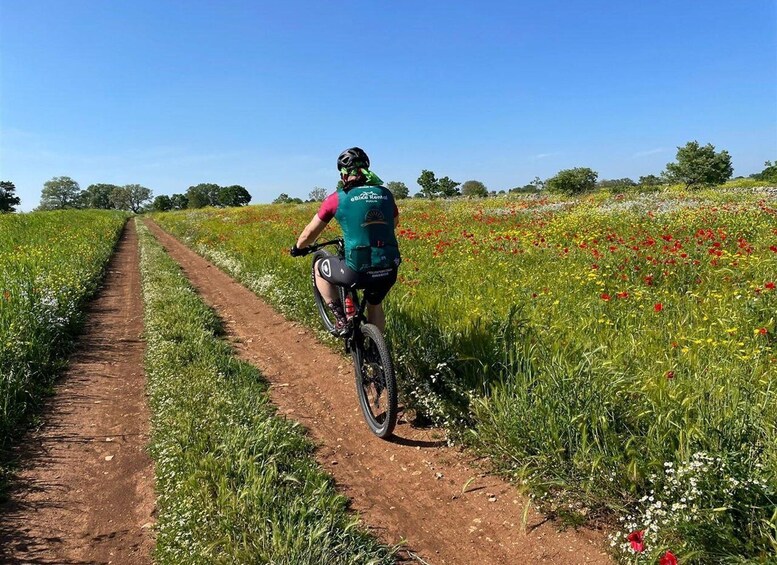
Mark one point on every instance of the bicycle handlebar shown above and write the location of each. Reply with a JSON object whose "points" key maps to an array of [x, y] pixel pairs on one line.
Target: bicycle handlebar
{"points": [[316, 246]]}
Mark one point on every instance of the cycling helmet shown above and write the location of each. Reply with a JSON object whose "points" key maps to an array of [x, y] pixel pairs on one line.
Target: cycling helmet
{"points": [[353, 158]]}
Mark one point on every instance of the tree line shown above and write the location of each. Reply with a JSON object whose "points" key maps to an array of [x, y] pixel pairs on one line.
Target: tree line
{"points": [[62, 193], [695, 166]]}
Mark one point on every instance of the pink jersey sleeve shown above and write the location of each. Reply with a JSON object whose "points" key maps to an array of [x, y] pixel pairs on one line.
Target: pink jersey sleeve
{"points": [[328, 208]]}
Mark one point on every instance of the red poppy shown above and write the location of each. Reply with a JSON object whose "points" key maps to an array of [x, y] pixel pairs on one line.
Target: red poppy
{"points": [[658, 306], [605, 296], [762, 331], [773, 248], [670, 374], [637, 540], [769, 285], [668, 558], [623, 294]]}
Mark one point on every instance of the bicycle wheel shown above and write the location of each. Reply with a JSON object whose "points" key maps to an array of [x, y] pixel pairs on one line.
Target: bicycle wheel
{"points": [[375, 382], [327, 316]]}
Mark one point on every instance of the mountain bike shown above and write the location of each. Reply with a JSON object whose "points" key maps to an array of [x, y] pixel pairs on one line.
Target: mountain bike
{"points": [[376, 384]]}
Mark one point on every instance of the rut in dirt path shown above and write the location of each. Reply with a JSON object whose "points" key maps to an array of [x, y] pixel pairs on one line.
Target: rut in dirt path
{"points": [[409, 489], [85, 491]]}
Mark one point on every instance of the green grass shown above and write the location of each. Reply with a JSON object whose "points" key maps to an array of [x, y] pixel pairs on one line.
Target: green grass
{"points": [[236, 482]]}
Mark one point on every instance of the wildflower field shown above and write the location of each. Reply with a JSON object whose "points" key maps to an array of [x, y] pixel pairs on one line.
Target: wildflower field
{"points": [[616, 355], [50, 263]]}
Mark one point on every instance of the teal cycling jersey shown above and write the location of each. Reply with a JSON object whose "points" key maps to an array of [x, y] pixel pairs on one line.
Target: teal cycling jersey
{"points": [[366, 216]]}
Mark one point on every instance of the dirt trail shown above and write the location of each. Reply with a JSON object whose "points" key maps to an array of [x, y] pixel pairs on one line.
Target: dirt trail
{"points": [[410, 489], [85, 492]]}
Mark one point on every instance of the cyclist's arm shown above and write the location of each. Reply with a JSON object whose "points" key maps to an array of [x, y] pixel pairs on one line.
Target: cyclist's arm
{"points": [[311, 232]]}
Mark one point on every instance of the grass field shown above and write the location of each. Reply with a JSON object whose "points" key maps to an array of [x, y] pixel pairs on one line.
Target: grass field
{"points": [[236, 483], [615, 354], [50, 263]]}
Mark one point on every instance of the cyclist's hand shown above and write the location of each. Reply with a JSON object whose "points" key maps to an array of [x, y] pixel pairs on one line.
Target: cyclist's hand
{"points": [[296, 251]]}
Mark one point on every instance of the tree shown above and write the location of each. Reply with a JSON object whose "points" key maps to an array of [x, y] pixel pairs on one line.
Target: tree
{"points": [[432, 187], [178, 202], [8, 199], [616, 183], [573, 181], [131, 197], [650, 180], [162, 203], [474, 188], [769, 174], [60, 193], [428, 183], [317, 194], [448, 187], [285, 199], [234, 195], [98, 196], [525, 189], [616, 186], [698, 166], [536, 185], [203, 194], [398, 189]]}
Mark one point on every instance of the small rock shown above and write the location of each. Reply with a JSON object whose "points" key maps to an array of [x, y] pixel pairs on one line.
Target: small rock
{"points": [[108, 457]]}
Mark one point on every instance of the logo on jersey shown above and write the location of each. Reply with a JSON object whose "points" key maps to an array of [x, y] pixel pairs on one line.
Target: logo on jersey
{"points": [[326, 268], [374, 217], [370, 195]]}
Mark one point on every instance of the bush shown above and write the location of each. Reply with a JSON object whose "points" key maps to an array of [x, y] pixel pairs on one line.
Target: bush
{"points": [[573, 181]]}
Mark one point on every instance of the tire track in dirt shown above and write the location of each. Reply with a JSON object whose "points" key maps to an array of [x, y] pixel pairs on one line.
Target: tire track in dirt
{"points": [[84, 493], [409, 489]]}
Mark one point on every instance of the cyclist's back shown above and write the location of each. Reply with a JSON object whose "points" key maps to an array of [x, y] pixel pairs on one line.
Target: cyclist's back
{"points": [[366, 215]]}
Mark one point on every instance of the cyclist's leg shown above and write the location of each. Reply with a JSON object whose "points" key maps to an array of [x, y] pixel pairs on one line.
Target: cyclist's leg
{"points": [[331, 273], [376, 315], [377, 285], [327, 290]]}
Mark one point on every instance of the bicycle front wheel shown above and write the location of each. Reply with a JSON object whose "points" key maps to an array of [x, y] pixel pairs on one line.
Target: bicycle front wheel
{"points": [[375, 381]]}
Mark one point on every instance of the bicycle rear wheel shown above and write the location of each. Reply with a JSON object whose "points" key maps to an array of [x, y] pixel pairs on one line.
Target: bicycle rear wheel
{"points": [[327, 316], [375, 381]]}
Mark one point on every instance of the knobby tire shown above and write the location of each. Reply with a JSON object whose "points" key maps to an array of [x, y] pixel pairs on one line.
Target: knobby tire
{"points": [[374, 374]]}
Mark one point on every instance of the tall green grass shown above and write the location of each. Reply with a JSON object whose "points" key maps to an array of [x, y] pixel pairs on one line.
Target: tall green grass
{"points": [[586, 345], [236, 482], [50, 264]]}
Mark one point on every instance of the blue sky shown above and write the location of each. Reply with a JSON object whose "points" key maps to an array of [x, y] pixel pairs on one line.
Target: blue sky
{"points": [[266, 94]]}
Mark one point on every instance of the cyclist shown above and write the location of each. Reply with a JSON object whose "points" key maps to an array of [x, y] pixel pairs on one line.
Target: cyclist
{"points": [[368, 215]]}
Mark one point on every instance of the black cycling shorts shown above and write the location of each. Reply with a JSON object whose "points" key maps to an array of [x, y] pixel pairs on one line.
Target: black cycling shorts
{"points": [[376, 283]]}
